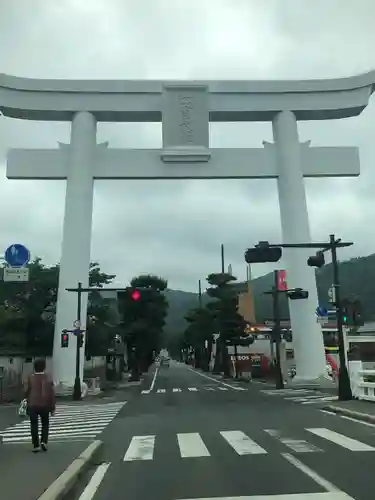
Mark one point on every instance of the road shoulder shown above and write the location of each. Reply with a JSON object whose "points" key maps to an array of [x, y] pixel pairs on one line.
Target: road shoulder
{"points": [[44, 476]]}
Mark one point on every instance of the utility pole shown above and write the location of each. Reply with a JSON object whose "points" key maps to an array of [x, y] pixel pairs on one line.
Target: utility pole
{"points": [[200, 294], [222, 259]]}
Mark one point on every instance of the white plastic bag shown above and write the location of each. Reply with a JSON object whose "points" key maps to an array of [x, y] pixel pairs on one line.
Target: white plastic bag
{"points": [[22, 410]]}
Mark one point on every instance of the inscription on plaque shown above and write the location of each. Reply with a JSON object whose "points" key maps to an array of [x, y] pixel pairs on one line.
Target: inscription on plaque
{"points": [[186, 127], [185, 116]]}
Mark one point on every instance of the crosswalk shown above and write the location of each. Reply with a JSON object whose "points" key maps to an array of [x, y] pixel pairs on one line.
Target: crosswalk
{"points": [[193, 444], [70, 422], [303, 396], [194, 389]]}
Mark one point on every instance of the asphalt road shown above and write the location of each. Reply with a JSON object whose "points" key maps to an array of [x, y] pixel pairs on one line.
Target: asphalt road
{"points": [[185, 436]]}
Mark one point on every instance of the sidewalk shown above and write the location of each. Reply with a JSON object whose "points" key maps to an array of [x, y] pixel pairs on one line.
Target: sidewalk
{"points": [[25, 475], [361, 410]]}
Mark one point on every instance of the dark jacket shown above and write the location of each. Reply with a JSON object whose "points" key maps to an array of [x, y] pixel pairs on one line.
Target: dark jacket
{"points": [[40, 392]]}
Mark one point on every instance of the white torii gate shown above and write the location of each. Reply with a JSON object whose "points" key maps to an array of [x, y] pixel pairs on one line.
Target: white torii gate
{"points": [[185, 109]]}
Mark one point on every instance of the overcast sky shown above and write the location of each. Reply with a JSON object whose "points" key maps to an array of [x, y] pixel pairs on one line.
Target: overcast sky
{"points": [[175, 228]]}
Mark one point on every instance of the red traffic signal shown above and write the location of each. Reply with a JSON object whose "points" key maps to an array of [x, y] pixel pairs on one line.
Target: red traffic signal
{"points": [[64, 340], [136, 295]]}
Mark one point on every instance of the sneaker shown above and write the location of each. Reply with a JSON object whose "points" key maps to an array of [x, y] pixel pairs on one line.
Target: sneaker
{"points": [[44, 446], [36, 449]]}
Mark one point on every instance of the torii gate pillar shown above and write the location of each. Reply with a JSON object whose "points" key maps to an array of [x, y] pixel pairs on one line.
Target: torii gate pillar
{"points": [[76, 242], [307, 343]]}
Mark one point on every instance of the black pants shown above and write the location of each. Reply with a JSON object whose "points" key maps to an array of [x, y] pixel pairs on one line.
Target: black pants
{"points": [[34, 414]]}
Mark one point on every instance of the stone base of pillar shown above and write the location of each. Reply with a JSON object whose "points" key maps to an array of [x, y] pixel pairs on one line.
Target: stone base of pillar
{"points": [[66, 390], [321, 382]]}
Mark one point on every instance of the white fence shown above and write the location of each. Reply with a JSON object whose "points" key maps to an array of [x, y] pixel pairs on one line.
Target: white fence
{"points": [[362, 387]]}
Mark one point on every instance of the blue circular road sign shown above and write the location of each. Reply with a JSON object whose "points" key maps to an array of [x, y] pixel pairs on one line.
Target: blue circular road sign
{"points": [[17, 255]]}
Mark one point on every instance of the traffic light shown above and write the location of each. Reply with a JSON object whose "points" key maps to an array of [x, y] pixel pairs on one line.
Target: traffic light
{"points": [[298, 294], [262, 253], [316, 260], [65, 339], [135, 294], [357, 313]]}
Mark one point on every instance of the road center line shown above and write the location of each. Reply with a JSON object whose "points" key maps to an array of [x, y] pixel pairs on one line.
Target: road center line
{"points": [[314, 475], [217, 381], [94, 483]]}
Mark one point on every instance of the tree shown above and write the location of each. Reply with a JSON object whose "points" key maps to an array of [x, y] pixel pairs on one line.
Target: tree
{"points": [[199, 335], [143, 321], [27, 310], [230, 323]]}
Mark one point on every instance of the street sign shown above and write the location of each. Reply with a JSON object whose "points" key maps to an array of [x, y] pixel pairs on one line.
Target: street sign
{"points": [[281, 281], [16, 274], [17, 255], [77, 323], [321, 311]]}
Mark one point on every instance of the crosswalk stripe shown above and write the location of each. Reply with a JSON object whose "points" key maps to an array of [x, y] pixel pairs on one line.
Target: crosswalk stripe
{"points": [[191, 445], [140, 448], [192, 389], [160, 391], [176, 390], [341, 440], [69, 421], [241, 443], [330, 398], [297, 445]]}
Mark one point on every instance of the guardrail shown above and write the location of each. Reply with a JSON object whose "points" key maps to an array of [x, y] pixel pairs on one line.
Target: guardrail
{"points": [[361, 387]]}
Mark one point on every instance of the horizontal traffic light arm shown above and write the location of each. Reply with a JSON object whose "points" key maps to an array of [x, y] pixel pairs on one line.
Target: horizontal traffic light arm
{"points": [[325, 245], [98, 289]]}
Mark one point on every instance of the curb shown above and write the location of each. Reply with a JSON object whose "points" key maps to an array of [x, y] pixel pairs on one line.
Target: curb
{"points": [[65, 482], [350, 413]]}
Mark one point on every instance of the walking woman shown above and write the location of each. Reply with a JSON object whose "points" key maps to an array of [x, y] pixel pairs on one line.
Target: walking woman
{"points": [[40, 396]]}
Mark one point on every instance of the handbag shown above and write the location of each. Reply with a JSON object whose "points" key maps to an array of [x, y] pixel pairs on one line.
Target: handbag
{"points": [[22, 410]]}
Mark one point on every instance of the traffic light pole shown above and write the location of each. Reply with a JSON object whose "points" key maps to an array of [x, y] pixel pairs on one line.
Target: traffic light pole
{"points": [[77, 390], [345, 391], [277, 332]]}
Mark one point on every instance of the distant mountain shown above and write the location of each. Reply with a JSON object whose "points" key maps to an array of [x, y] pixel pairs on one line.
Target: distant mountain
{"points": [[357, 277]]}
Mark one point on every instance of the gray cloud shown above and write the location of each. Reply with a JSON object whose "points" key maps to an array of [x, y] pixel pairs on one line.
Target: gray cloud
{"points": [[176, 228]]}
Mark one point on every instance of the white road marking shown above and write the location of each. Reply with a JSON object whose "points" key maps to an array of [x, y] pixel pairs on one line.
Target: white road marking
{"points": [[140, 448], [192, 389], [160, 391], [223, 388], [94, 483], [215, 380], [363, 422], [329, 412], [337, 495], [329, 487], [191, 445], [70, 421], [242, 444], [303, 398], [209, 388], [154, 379], [297, 445], [176, 390], [317, 400], [283, 392], [146, 391], [341, 440]]}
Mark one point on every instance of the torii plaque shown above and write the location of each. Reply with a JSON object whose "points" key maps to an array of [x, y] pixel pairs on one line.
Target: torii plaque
{"points": [[185, 109]]}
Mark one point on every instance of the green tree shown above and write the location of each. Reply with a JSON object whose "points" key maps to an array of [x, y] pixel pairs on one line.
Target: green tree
{"points": [[230, 323], [27, 310], [199, 335], [143, 321]]}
